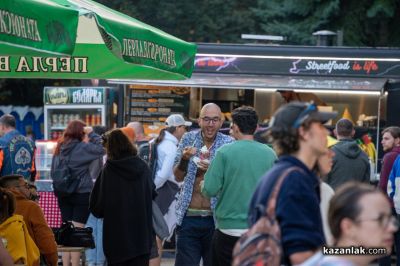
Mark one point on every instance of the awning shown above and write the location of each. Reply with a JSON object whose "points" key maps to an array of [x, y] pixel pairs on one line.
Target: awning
{"points": [[78, 38], [268, 82]]}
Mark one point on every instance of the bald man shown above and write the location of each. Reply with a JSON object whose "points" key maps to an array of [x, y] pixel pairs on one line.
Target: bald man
{"points": [[194, 211], [139, 130], [141, 141]]}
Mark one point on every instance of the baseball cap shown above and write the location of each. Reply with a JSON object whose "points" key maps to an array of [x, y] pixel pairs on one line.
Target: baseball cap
{"points": [[177, 120], [293, 115]]}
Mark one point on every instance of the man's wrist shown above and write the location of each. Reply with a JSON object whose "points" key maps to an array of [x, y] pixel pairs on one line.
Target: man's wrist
{"points": [[183, 164]]}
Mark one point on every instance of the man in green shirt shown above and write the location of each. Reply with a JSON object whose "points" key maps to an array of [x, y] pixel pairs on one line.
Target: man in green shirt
{"points": [[232, 177]]}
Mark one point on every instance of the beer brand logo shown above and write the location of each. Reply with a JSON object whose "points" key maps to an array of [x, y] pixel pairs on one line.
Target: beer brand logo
{"points": [[58, 96], [87, 96]]}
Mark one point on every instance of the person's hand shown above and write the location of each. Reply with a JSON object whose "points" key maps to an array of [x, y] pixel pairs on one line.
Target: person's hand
{"points": [[88, 130], [203, 164], [86, 138], [188, 152]]}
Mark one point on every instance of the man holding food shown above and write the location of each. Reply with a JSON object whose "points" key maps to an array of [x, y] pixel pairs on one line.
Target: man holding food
{"points": [[194, 211]]}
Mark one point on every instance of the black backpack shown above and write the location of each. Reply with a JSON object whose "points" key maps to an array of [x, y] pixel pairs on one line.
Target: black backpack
{"points": [[64, 183], [144, 150], [152, 159]]}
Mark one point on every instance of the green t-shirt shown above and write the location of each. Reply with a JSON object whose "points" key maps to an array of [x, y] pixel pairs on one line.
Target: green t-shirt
{"points": [[233, 176]]}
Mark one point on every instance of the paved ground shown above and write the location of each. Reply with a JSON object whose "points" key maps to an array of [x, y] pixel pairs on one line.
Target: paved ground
{"points": [[167, 262], [168, 259]]}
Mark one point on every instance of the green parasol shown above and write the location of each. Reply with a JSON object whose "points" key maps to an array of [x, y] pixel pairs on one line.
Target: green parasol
{"points": [[84, 39]]}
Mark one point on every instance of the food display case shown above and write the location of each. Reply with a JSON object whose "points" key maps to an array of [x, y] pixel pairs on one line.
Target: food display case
{"points": [[92, 105], [47, 201], [43, 157]]}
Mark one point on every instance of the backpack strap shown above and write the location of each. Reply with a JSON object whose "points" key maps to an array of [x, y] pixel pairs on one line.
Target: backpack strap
{"points": [[153, 157], [271, 203]]}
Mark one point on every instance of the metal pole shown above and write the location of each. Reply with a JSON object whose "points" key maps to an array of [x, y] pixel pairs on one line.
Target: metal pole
{"points": [[121, 107], [378, 129]]}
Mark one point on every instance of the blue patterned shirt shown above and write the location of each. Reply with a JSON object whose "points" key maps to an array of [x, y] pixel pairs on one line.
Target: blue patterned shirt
{"points": [[194, 139]]}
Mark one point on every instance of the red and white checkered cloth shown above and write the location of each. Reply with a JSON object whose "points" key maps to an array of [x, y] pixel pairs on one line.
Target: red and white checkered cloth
{"points": [[48, 203]]}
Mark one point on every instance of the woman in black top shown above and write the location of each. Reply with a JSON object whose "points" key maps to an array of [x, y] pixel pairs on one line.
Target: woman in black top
{"points": [[123, 197]]}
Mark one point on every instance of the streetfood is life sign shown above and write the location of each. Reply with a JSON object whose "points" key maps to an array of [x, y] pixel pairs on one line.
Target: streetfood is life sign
{"points": [[74, 95], [288, 66], [366, 67]]}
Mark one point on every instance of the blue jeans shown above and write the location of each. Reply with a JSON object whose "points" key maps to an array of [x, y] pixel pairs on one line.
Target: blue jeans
{"points": [[96, 256], [193, 241]]}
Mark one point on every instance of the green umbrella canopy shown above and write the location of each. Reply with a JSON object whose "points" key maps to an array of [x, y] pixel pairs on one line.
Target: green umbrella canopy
{"points": [[86, 29]]}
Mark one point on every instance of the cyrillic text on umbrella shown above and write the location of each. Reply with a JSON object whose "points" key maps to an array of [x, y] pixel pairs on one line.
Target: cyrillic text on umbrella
{"points": [[19, 26], [150, 50]]}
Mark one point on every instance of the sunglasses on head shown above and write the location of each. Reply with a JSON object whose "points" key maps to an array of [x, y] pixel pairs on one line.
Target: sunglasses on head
{"points": [[311, 108]]}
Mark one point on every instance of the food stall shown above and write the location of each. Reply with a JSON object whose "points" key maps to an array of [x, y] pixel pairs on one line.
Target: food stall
{"points": [[359, 83]]}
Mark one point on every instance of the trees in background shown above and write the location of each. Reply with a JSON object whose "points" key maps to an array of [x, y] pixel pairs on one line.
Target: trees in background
{"points": [[196, 21], [296, 20], [364, 23], [372, 23]]}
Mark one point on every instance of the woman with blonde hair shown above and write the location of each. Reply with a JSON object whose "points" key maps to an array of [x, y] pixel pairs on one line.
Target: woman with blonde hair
{"points": [[122, 196]]}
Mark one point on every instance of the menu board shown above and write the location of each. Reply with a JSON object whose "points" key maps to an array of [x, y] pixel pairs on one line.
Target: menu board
{"points": [[152, 105]]}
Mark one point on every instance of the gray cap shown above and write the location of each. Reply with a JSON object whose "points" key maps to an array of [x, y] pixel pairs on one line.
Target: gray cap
{"points": [[293, 114], [177, 120]]}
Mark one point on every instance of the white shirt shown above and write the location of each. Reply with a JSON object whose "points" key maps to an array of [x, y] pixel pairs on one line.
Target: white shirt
{"points": [[326, 194], [166, 152]]}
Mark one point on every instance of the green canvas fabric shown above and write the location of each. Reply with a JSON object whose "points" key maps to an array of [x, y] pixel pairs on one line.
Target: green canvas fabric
{"points": [[53, 31]]}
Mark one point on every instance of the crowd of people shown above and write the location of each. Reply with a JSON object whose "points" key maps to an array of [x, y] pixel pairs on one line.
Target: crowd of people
{"points": [[208, 190]]}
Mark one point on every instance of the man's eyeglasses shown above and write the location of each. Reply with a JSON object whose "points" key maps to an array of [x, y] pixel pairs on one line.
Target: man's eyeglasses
{"points": [[383, 220], [311, 108], [208, 120]]}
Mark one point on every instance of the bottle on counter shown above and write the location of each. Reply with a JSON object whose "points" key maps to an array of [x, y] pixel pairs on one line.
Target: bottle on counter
{"points": [[98, 119]]}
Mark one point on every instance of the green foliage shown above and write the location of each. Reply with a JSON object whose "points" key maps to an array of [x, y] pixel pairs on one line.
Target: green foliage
{"points": [[364, 23], [296, 20], [385, 8], [196, 21], [369, 22]]}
